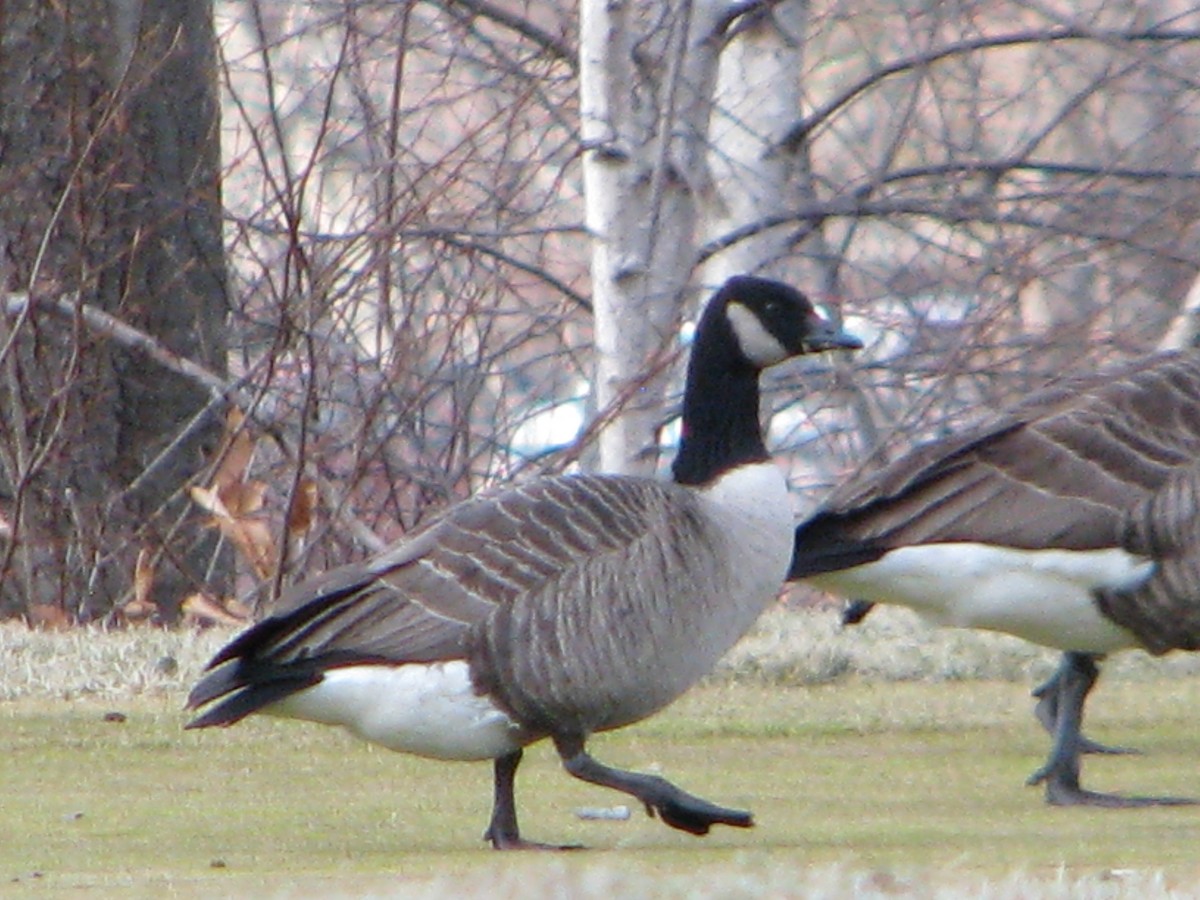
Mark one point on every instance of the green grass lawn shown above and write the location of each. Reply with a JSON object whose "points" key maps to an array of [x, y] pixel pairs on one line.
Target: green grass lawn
{"points": [[859, 788]]}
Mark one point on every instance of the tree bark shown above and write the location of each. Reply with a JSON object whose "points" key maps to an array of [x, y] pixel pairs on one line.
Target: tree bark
{"points": [[110, 191]]}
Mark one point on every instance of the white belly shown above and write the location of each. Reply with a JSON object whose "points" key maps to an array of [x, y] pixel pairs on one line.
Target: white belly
{"points": [[1043, 596], [424, 708]]}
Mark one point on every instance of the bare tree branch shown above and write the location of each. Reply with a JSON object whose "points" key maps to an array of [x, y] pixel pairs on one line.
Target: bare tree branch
{"points": [[220, 389], [554, 46], [958, 211], [800, 131]]}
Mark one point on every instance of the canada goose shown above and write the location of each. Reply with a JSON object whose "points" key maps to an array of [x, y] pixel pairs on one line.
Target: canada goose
{"points": [[1072, 521], [557, 608]]}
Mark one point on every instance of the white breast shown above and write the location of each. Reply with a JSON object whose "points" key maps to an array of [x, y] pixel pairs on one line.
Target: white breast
{"points": [[753, 506], [1043, 596], [428, 709]]}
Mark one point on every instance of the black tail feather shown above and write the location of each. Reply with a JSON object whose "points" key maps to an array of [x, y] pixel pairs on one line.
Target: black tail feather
{"points": [[217, 683], [816, 558], [247, 689], [822, 544]]}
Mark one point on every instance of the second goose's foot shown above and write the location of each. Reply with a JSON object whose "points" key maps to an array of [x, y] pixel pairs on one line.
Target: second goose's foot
{"points": [[1067, 792], [1070, 685], [674, 806], [1046, 712], [502, 831]]}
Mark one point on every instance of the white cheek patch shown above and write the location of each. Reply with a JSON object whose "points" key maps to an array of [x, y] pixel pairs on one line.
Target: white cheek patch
{"points": [[757, 344]]}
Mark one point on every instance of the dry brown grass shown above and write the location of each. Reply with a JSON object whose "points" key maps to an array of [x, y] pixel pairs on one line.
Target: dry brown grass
{"points": [[785, 647], [893, 644], [94, 662]]}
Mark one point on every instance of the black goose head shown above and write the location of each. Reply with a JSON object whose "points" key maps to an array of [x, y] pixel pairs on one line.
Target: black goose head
{"points": [[770, 322], [749, 324]]}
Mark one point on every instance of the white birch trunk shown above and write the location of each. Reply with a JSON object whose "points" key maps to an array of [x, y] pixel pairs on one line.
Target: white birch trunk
{"points": [[646, 74], [1184, 330], [758, 97]]}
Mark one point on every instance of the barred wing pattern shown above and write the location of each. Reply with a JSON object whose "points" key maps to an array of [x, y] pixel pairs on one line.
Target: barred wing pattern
{"points": [[1165, 611], [486, 583]]}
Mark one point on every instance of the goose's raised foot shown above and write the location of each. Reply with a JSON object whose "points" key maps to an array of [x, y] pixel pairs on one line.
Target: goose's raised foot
{"points": [[692, 814], [675, 807]]}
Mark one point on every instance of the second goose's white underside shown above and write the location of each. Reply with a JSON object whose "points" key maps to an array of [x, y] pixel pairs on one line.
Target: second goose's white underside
{"points": [[1043, 596], [426, 709]]}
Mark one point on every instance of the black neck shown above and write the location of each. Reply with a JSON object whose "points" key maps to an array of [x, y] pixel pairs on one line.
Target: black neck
{"points": [[721, 427]]}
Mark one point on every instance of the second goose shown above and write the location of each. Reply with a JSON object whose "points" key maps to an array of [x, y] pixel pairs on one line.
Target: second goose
{"points": [[558, 608], [1072, 521]]}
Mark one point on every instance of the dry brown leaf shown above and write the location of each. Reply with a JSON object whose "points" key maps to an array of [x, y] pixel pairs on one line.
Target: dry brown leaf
{"points": [[48, 616], [200, 609], [235, 452], [143, 576], [304, 504], [236, 502], [253, 539], [243, 497], [139, 610], [250, 534], [209, 500]]}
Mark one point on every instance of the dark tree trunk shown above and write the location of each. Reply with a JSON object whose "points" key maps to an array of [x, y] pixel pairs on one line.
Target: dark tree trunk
{"points": [[109, 196]]}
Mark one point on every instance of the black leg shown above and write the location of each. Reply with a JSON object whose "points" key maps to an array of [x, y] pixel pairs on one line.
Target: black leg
{"points": [[1046, 710], [1074, 680], [502, 831], [855, 611], [675, 807]]}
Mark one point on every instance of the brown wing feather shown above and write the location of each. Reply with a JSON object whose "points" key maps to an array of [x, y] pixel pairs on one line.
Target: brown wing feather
{"points": [[417, 601], [1164, 612], [1062, 469]]}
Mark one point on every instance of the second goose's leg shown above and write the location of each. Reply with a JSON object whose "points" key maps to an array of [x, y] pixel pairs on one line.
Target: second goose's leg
{"points": [[855, 611], [674, 806], [502, 831], [1046, 709], [1061, 771]]}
